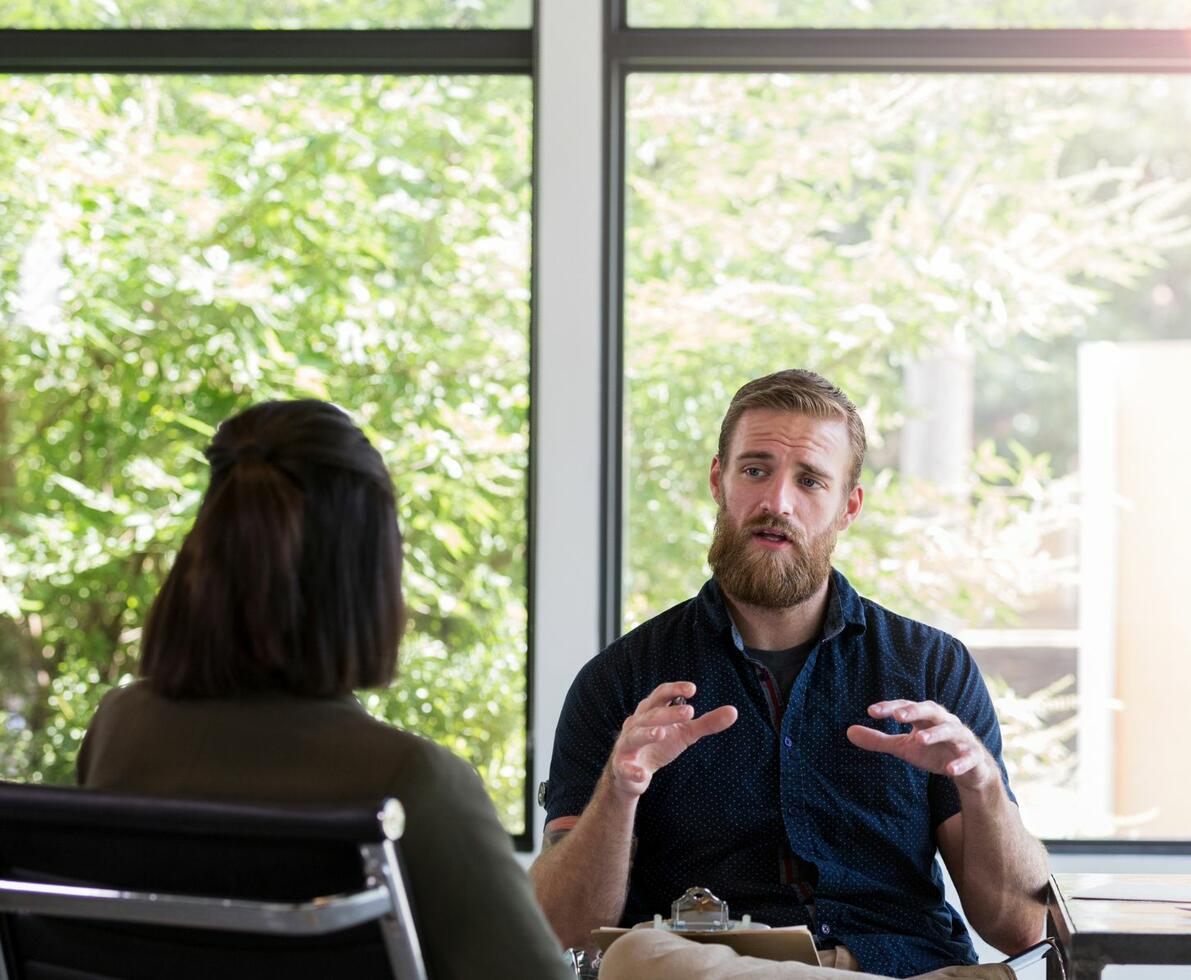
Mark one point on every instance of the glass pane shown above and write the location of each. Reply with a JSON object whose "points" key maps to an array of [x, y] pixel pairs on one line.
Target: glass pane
{"points": [[175, 248], [998, 271], [909, 13], [266, 14]]}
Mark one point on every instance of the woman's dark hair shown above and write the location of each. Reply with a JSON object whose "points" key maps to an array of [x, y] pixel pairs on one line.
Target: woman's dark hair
{"points": [[290, 579]]}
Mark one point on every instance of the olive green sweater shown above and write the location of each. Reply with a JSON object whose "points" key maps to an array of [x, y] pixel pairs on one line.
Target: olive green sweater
{"points": [[476, 910]]}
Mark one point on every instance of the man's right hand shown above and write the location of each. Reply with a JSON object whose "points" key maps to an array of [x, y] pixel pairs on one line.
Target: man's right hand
{"points": [[657, 733]]}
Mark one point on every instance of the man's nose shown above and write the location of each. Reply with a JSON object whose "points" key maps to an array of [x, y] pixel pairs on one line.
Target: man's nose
{"points": [[779, 498]]}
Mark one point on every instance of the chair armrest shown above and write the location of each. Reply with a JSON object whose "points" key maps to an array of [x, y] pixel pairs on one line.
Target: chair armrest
{"points": [[1034, 954], [317, 917]]}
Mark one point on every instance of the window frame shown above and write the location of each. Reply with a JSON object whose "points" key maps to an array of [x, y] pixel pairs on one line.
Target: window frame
{"points": [[496, 51], [629, 50], [474, 51]]}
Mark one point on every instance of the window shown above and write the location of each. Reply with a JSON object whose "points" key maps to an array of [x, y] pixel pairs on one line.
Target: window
{"points": [[176, 247], [995, 268]]}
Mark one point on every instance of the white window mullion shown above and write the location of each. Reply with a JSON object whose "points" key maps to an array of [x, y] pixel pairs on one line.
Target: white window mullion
{"points": [[566, 393]]}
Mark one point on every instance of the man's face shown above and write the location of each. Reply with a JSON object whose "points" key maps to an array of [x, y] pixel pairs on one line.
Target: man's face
{"points": [[783, 497]]}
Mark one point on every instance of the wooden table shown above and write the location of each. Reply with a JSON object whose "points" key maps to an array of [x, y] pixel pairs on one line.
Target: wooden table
{"points": [[1096, 932]]}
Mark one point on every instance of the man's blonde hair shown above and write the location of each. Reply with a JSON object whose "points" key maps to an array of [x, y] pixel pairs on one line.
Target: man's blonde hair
{"points": [[801, 392]]}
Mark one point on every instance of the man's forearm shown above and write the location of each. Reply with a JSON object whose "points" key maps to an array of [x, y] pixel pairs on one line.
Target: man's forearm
{"points": [[1004, 870], [582, 880]]}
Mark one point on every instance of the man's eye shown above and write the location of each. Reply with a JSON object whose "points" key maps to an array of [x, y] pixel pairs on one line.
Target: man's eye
{"points": [[810, 481], [753, 471]]}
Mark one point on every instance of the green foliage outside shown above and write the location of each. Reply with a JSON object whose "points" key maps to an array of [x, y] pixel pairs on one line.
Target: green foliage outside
{"points": [[175, 248], [858, 225], [266, 14]]}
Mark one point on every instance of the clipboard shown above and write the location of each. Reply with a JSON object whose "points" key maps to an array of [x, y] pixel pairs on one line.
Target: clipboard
{"points": [[700, 916], [785, 943]]}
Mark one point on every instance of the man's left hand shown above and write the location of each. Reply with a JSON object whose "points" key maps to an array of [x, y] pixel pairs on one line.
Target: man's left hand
{"points": [[937, 742]]}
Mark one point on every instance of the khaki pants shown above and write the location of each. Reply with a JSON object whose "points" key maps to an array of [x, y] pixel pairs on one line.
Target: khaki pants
{"points": [[653, 954]]}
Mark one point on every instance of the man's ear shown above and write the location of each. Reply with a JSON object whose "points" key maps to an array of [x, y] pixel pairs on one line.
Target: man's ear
{"points": [[714, 481], [851, 509]]}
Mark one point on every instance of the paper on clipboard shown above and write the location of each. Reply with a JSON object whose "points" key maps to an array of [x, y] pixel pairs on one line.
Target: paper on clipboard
{"points": [[785, 943]]}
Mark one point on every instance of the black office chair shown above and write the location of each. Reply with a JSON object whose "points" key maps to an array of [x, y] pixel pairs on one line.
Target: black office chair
{"points": [[96, 886]]}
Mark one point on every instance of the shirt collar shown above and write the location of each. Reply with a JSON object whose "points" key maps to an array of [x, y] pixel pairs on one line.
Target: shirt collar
{"points": [[844, 609]]}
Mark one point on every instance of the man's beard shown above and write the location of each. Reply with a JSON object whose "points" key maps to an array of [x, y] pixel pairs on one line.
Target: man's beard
{"points": [[770, 579]]}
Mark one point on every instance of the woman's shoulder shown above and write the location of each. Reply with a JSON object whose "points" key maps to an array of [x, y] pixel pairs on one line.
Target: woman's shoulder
{"points": [[273, 736], [137, 691], [374, 753], [130, 702], [427, 767]]}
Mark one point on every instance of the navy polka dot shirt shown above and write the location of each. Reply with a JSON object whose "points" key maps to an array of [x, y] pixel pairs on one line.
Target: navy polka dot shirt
{"points": [[781, 815]]}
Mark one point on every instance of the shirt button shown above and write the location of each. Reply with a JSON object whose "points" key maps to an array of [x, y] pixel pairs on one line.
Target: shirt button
{"points": [[792, 810], [825, 929], [787, 741]]}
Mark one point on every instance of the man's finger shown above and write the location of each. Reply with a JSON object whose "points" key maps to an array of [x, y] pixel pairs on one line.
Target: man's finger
{"points": [[665, 715], [909, 711], [636, 738], [712, 722], [870, 739], [883, 709], [663, 694], [628, 772], [947, 731], [923, 711]]}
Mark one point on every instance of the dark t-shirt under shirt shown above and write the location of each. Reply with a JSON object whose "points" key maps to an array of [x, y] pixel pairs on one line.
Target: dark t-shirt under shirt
{"points": [[785, 665]]}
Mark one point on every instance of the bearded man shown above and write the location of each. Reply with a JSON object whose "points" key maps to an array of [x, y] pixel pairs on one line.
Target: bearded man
{"points": [[794, 747]]}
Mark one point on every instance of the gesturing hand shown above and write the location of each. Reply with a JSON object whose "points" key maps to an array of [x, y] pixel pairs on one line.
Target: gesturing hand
{"points": [[657, 733], [937, 742]]}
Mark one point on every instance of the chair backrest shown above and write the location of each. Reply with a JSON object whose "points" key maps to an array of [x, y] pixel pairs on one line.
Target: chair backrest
{"points": [[97, 886]]}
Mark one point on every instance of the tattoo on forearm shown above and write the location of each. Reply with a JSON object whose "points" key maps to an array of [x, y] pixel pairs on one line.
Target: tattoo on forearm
{"points": [[551, 838]]}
